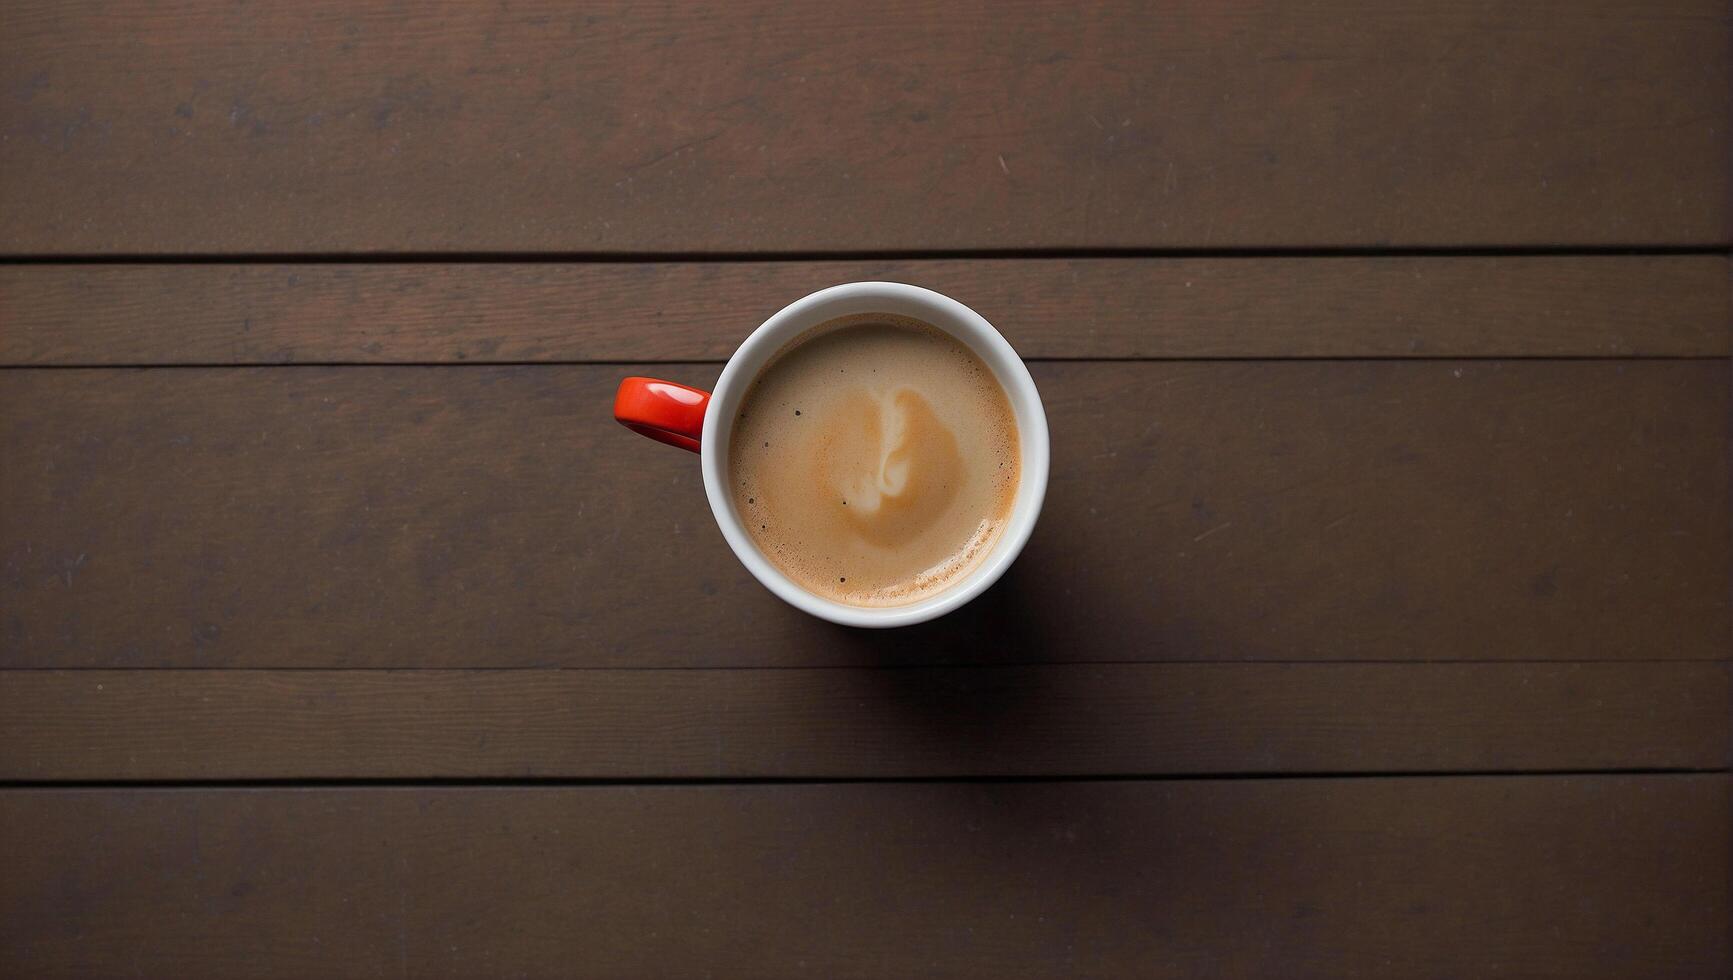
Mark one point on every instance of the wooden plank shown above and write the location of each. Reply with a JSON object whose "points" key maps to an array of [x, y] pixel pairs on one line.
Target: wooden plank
{"points": [[344, 126], [1102, 719], [497, 516], [1608, 876], [1576, 306]]}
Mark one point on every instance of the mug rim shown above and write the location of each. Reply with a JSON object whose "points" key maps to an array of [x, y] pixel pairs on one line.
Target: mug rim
{"points": [[958, 321]]}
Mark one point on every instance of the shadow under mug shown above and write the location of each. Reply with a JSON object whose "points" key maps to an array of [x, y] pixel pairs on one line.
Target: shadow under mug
{"points": [[701, 422]]}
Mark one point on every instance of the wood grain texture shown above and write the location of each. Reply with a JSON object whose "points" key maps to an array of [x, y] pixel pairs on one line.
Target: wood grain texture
{"points": [[1073, 720], [337, 126], [1525, 876], [496, 516], [1577, 306]]}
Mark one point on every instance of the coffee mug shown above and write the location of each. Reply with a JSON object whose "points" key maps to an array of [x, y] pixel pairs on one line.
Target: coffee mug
{"points": [[702, 422]]}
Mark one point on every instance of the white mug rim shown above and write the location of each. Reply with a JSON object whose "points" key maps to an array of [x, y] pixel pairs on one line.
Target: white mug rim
{"points": [[967, 327]]}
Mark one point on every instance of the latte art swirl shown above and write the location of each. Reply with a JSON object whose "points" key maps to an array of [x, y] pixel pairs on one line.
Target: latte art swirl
{"points": [[875, 460]]}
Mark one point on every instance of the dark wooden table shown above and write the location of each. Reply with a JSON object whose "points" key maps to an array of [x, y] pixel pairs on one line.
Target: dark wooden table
{"points": [[1377, 623]]}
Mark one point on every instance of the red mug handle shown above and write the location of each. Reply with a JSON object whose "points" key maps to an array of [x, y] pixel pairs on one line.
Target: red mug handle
{"points": [[664, 411]]}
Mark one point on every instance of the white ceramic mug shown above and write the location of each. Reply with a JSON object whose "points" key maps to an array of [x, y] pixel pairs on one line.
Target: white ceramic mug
{"points": [[700, 421]]}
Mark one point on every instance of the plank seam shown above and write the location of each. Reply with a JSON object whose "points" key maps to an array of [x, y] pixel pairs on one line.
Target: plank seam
{"points": [[966, 665], [887, 255], [549, 782]]}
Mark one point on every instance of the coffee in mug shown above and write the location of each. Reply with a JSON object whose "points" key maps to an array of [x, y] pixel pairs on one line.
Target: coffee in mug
{"points": [[875, 453], [874, 460]]}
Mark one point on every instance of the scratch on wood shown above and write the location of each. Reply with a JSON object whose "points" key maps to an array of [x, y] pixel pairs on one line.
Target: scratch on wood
{"points": [[1002, 165], [683, 147], [1219, 527]]}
